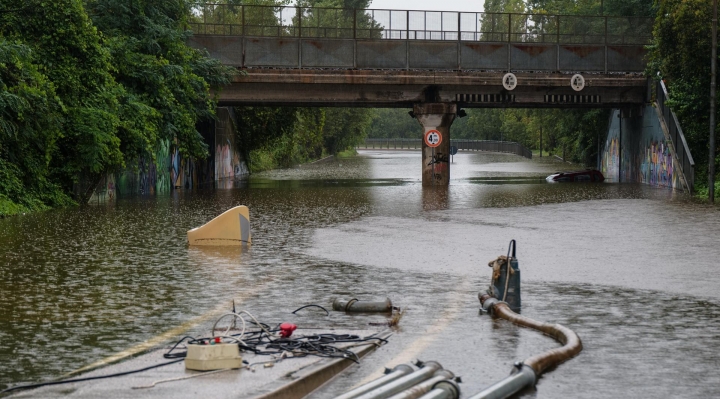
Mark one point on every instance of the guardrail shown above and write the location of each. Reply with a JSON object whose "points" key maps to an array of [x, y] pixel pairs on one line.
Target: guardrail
{"points": [[300, 37], [685, 159], [348, 23], [462, 145]]}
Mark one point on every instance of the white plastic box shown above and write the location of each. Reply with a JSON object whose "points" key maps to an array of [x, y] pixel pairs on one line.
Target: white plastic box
{"points": [[213, 357]]}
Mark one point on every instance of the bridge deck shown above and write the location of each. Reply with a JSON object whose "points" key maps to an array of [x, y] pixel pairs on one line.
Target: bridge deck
{"points": [[395, 58], [393, 88]]}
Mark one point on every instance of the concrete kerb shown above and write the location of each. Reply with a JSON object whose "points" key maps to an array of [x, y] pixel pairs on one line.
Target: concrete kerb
{"points": [[316, 375]]}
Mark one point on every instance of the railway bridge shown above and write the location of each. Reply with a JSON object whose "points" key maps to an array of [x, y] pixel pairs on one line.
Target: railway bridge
{"points": [[435, 62]]}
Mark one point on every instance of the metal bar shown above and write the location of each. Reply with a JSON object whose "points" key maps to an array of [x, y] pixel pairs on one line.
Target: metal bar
{"points": [[557, 34], [403, 383], [711, 141], [299, 12], [459, 48], [425, 386], [606, 44], [407, 25], [397, 372]]}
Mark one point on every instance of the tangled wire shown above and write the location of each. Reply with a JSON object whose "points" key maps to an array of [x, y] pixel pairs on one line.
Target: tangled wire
{"points": [[264, 341]]}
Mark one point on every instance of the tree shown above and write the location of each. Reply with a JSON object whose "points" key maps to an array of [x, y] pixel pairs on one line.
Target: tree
{"points": [[87, 100], [67, 49], [30, 117], [167, 83], [681, 53], [345, 128]]}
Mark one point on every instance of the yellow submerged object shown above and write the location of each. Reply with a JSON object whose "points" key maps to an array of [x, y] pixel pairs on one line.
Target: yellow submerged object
{"points": [[232, 227]]}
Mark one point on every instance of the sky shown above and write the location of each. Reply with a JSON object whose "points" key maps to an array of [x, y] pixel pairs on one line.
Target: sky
{"points": [[444, 5]]}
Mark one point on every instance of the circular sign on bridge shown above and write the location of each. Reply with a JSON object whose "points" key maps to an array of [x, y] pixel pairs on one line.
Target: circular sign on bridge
{"points": [[509, 81], [577, 82], [433, 138]]}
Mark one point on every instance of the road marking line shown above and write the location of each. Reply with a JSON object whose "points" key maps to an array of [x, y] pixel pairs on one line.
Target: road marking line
{"points": [[156, 340], [412, 351]]}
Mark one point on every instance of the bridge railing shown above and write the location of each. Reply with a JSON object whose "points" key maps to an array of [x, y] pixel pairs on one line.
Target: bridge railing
{"points": [[300, 37], [682, 150], [342, 23], [461, 144]]}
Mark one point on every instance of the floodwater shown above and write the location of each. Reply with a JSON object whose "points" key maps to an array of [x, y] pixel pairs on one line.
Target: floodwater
{"points": [[632, 269]]}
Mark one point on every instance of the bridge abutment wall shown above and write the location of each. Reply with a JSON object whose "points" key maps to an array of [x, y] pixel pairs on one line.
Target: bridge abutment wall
{"points": [[171, 171], [638, 150]]}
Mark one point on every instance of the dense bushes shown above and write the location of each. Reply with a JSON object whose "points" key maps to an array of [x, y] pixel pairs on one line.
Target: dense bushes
{"points": [[87, 86]]}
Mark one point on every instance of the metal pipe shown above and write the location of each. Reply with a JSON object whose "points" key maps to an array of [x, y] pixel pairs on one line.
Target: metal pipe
{"points": [[447, 389], [354, 305], [424, 387], [388, 390], [524, 377], [525, 373], [398, 371]]}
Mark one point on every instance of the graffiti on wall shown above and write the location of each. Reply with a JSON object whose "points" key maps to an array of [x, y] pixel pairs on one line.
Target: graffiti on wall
{"points": [[657, 165], [610, 160], [646, 154], [105, 192], [162, 159], [147, 176], [227, 162], [170, 170]]}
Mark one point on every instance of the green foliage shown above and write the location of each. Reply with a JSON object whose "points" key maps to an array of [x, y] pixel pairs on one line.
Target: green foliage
{"points": [[393, 123], [283, 136], [30, 116], [486, 123], [67, 49], [345, 128], [681, 51], [79, 97], [308, 134], [166, 82]]}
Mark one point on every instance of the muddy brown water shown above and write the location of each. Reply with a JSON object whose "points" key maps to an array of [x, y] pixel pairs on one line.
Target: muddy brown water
{"points": [[632, 269]]}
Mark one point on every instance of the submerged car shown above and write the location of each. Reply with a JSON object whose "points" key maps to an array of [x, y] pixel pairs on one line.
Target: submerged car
{"points": [[589, 175]]}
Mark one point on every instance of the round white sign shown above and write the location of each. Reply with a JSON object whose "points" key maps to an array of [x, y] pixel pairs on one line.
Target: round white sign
{"points": [[577, 82], [433, 138], [509, 81]]}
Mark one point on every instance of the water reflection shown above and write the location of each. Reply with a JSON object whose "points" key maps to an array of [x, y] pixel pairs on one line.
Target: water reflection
{"points": [[435, 198], [77, 285]]}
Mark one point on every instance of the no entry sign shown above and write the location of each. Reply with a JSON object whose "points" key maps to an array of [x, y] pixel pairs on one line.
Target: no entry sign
{"points": [[433, 138]]}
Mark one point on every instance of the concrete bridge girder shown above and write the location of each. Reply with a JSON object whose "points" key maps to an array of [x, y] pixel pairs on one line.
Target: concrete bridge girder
{"points": [[384, 88]]}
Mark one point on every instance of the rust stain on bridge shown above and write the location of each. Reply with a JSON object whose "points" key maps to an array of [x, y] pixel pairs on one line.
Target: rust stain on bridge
{"points": [[533, 50], [583, 51], [403, 88]]}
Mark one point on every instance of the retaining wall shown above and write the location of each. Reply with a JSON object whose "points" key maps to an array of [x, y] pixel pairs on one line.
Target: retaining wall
{"points": [[171, 171], [647, 155]]}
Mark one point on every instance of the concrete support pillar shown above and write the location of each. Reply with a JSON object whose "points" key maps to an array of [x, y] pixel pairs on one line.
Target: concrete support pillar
{"points": [[436, 160]]}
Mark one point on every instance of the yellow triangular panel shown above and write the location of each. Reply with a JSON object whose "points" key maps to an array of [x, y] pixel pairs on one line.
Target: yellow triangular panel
{"points": [[232, 227]]}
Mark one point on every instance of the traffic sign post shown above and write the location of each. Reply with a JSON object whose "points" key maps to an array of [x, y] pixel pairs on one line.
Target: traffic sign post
{"points": [[433, 138], [453, 151]]}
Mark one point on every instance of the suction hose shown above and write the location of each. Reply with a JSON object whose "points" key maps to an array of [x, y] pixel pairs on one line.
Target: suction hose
{"points": [[525, 374]]}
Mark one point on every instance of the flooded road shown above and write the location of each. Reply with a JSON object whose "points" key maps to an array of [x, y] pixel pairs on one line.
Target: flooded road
{"points": [[632, 269]]}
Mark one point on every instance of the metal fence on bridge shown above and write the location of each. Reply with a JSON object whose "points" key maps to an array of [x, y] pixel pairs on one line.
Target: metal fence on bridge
{"points": [[462, 145], [676, 135], [297, 37]]}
